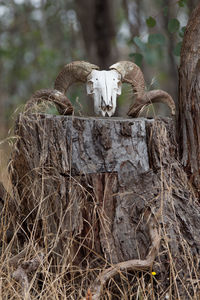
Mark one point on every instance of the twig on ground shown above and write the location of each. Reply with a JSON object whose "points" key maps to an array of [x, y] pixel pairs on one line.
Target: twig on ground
{"points": [[134, 264]]}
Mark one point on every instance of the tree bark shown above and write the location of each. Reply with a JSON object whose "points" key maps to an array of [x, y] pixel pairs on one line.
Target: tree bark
{"points": [[192, 4], [189, 101], [93, 189]]}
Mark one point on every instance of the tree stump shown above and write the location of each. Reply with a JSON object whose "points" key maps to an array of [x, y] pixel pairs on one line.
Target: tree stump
{"points": [[88, 188]]}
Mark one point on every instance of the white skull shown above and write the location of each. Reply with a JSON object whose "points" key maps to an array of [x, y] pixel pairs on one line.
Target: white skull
{"points": [[104, 86]]}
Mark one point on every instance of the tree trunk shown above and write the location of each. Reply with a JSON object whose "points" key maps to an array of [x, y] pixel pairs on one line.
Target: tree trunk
{"points": [[189, 101], [98, 28], [172, 65], [100, 192], [192, 4]]}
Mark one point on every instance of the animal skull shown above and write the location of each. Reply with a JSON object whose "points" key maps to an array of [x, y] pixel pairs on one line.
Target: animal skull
{"points": [[104, 86]]}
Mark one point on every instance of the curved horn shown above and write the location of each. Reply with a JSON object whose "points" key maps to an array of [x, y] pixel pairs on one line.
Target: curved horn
{"points": [[154, 96], [131, 74], [76, 71], [62, 103]]}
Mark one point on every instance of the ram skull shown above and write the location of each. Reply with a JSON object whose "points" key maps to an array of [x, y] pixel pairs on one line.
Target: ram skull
{"points": [[104, 86]]}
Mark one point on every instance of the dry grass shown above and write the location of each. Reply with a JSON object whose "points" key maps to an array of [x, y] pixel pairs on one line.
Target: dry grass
{"points": [[58, 277], [63, 280], [51, 281]]}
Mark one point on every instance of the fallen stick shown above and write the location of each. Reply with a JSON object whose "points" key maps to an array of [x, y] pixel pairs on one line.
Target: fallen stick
{"points": [[135, 264]]}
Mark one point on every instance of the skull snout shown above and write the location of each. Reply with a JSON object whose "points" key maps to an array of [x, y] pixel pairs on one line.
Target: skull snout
{"points": [[106, 105]]}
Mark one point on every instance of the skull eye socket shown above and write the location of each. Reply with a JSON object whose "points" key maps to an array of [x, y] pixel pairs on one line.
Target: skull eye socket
{"points": [[89, 87]]}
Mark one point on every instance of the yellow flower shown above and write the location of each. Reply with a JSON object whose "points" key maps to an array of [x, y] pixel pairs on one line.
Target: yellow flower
{"points": [[153, 273]]}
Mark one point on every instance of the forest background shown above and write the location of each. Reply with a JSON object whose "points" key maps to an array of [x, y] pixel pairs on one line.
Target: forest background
{"points": [[38, 37]]}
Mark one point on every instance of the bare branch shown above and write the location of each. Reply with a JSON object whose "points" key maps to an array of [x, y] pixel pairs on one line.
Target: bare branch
{"points": [[134, 264]]}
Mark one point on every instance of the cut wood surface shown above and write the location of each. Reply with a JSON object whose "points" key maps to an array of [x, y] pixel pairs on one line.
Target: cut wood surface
{"points": [[93, 186]]}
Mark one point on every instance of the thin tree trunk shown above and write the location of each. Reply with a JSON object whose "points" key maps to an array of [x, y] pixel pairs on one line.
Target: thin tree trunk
{"points": [[98, 27], [189, 99], [134, 28], [172, 65]]}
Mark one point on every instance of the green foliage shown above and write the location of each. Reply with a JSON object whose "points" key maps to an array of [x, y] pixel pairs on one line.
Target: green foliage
{"points": [[173, 25], [182, 31], [165, 11], [35, 43], [182, 3], [139, 43], [153, 49], [177, 50], [38, 37], [138, 57], [153, 54], [150, 51], [156, 39], [151, 22]]}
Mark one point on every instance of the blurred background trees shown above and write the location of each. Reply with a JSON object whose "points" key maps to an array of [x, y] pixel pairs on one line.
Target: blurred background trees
{"points": [[37, 37]]}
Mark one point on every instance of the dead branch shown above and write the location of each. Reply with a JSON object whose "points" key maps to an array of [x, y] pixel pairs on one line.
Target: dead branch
{"points": [[134, 264]]}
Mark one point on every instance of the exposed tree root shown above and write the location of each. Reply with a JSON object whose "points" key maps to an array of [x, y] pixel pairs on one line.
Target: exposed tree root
{"points": [[94, 292]]}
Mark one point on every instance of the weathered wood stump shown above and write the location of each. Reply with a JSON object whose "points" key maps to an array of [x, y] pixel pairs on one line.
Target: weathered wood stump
{"points": [[90, 187]]}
